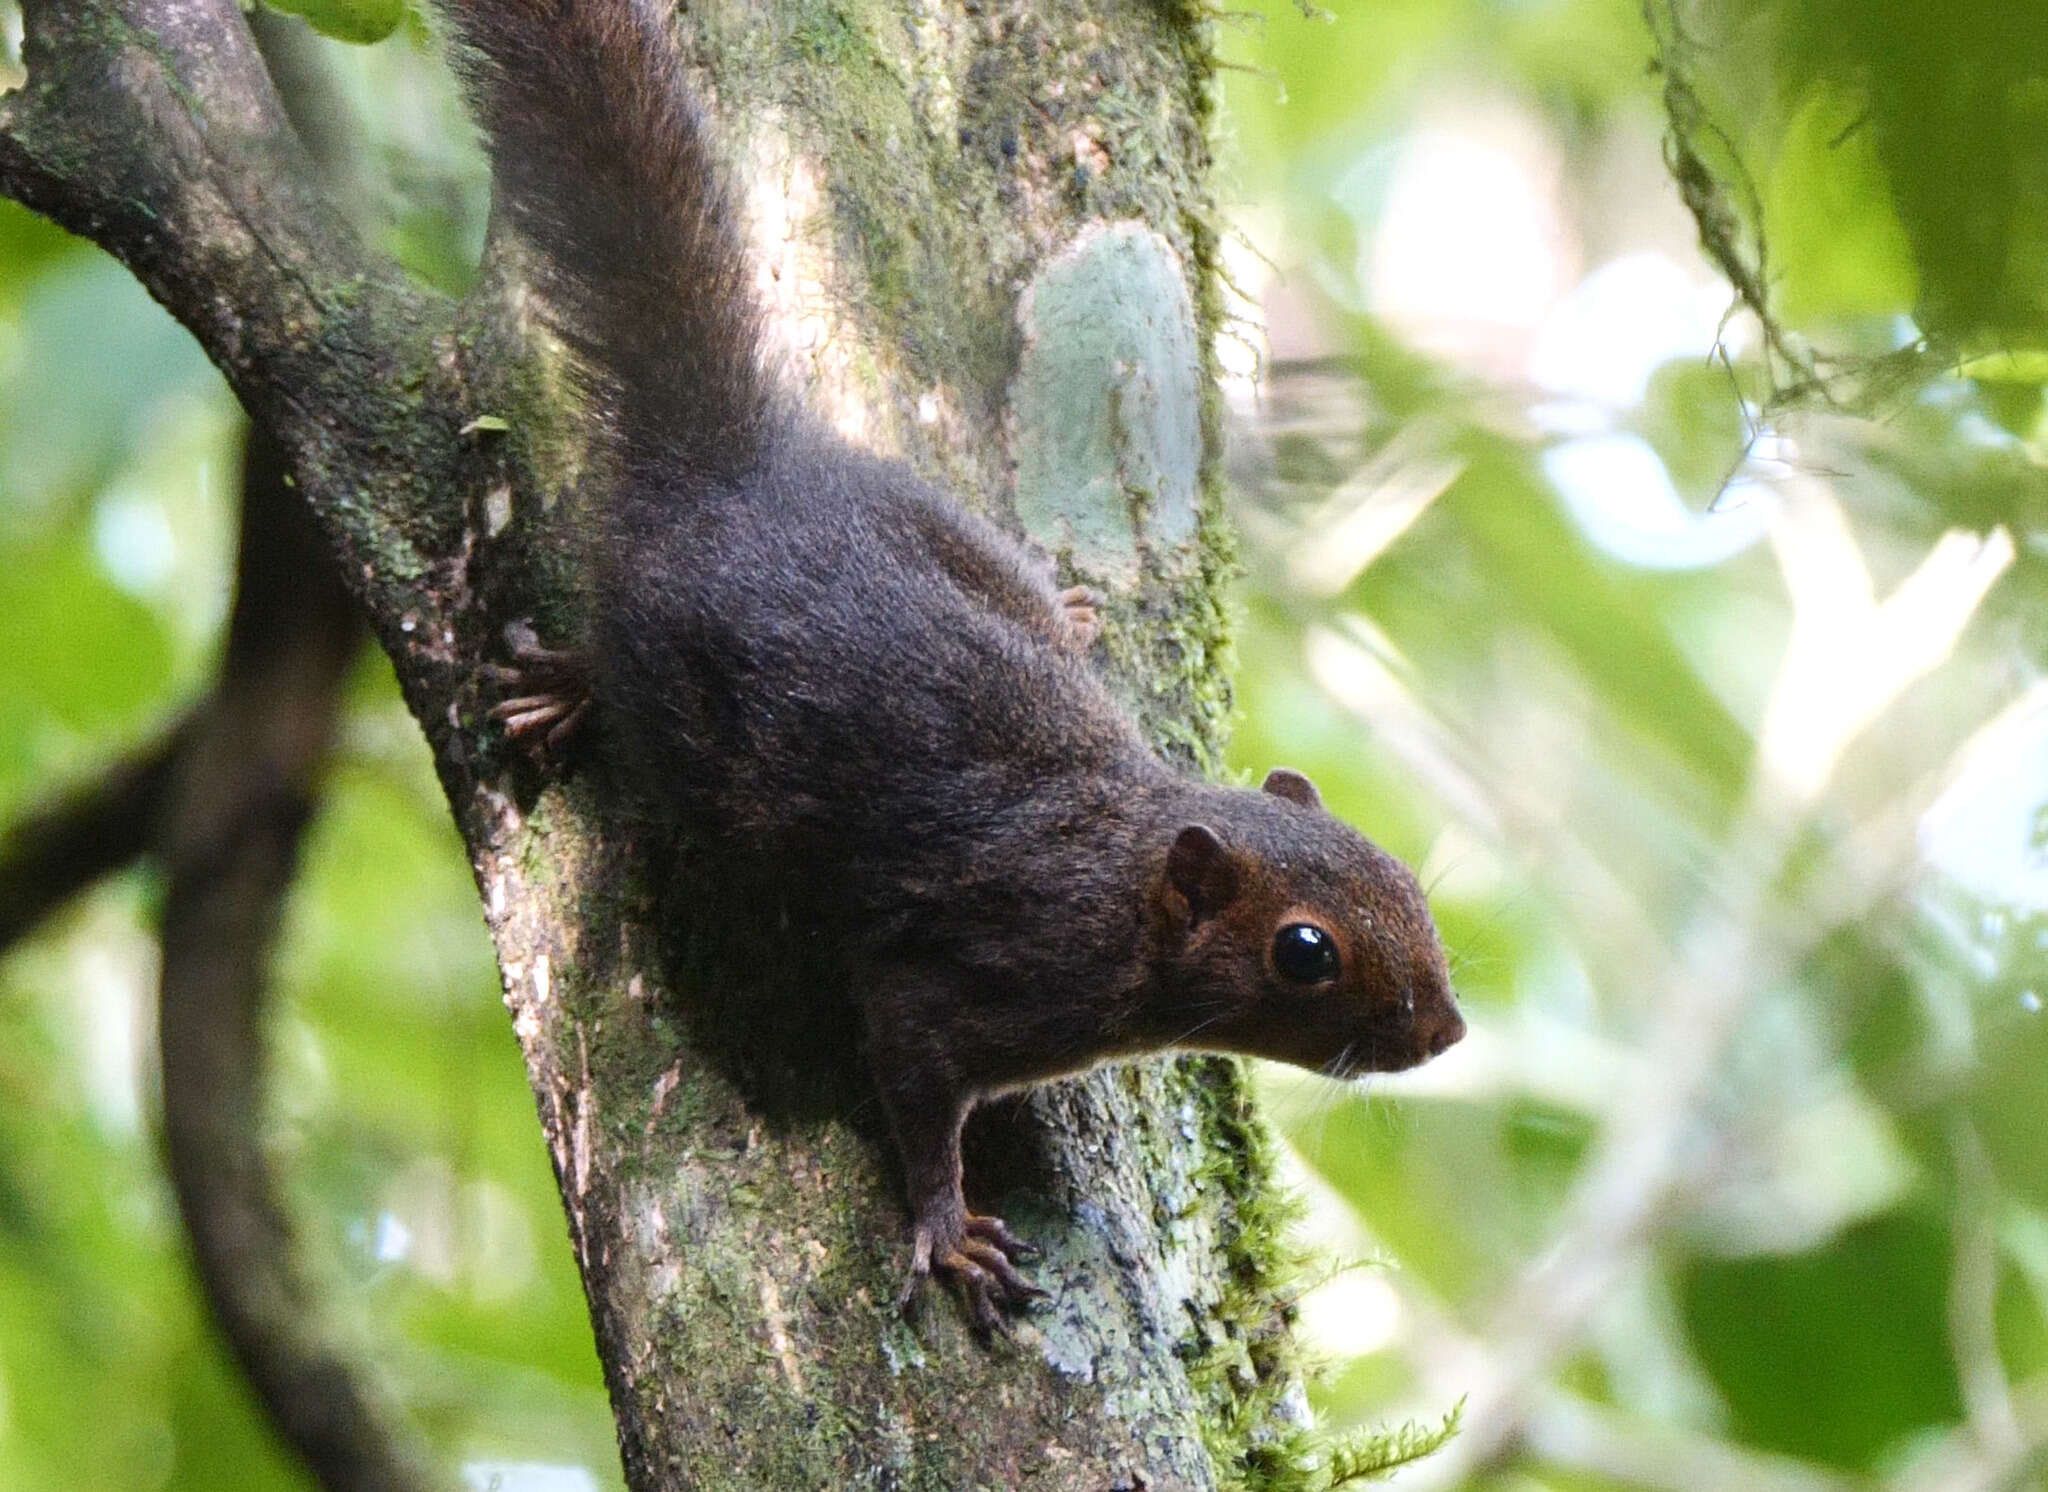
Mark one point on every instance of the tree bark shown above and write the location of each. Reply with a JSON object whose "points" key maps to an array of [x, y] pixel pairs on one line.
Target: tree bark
{"points": [[985, 237]]}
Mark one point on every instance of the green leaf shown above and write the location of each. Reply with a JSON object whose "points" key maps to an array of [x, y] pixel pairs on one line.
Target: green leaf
{"points": [[2012, 365], [60, 609], [1837, 1354], [1837, 250], [95, 360], [358, 21]]}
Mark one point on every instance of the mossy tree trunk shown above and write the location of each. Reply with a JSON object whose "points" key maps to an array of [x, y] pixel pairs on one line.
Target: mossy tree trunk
{"points": [[984, 231]]}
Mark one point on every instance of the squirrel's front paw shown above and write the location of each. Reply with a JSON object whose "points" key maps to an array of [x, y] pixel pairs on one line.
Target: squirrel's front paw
{"points": [[978, 1256], [554, 696], [1080, 616]]}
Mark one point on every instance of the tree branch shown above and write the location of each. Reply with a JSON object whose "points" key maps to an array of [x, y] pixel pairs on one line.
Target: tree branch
{"points": [[151, 128], [243, 791], [53, 854]]}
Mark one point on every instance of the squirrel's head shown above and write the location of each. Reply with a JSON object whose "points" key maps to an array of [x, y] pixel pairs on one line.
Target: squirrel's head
{"points": [[1277, 931]]}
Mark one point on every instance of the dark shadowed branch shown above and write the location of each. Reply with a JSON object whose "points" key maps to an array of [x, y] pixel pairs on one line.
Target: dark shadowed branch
{"points": [[222, 799], [52, 854], [243, 790]]}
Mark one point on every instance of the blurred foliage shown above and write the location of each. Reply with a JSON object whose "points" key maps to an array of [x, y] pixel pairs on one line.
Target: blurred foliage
{"points": [[1709, 711], [1899, 152]]}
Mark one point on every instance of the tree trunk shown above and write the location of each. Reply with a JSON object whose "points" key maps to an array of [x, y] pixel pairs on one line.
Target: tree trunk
{"points": [[984, 234]]}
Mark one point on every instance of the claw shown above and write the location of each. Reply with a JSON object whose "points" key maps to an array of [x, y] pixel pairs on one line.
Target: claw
{"points": [[1016, 1289], [920, 1270], [524, 716], [994, 1230], [554, 692], [978, 1262], [1080, 605], [979, 1289], [559, 737], [524, 644]]}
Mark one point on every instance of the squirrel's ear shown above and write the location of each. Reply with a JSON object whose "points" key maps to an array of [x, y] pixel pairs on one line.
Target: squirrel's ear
{"points": [[1285, 782], [1202, 871]]}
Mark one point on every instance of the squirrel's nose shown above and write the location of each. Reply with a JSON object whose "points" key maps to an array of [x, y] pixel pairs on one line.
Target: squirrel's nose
{"points": [[1446, 1032]]}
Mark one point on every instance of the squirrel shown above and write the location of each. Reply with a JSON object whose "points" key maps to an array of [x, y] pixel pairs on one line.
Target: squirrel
{"points": [[849, 688]]}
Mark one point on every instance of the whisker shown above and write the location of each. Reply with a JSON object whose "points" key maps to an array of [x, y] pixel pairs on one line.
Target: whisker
{"points": [[1460, 963], [1335, 1092], [1222, 1009], [1330, 1091], [1443, 870]]}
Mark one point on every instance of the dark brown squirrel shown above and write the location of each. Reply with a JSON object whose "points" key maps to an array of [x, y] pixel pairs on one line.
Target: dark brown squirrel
{"points": [[855, 692]]}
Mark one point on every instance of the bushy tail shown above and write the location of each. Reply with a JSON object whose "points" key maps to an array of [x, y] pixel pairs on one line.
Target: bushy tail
{"points": [[601, 164]]}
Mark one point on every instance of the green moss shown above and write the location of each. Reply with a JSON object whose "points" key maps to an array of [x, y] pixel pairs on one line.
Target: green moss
{"points": [[1242, 1358], [826, 34]]}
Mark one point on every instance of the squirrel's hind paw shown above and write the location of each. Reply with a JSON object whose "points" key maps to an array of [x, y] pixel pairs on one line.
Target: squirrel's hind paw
{"points": [[977, 1261]]}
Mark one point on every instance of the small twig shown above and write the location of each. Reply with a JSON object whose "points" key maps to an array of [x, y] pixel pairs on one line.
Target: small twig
{"points": [[56, 852], [1960, 1462], [1578, 1433], [1973, 1297]]}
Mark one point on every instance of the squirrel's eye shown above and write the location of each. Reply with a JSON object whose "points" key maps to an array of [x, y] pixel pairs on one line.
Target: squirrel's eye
{"points": [[1305, 953]]}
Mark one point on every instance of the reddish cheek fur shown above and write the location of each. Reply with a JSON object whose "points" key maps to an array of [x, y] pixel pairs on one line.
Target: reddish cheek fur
{"points": [[1358, 1020]]}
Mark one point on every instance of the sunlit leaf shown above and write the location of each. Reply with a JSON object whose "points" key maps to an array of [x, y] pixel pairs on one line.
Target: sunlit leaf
{"points": [[360, 22], [1836, 245]]}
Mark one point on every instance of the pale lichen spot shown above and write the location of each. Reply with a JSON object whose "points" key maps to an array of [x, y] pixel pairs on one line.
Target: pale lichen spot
{"points": [[777, 1321], [1107, 402]]}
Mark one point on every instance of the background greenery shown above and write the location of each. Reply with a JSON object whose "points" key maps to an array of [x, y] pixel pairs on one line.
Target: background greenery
{"points": [[1693, 655]]}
